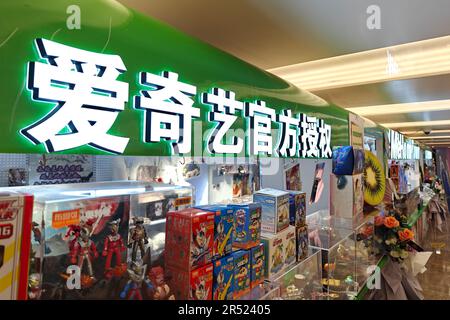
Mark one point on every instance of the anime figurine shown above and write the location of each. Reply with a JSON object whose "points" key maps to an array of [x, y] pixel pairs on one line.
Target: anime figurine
{"points": [[161, 291], [138, 238], [201, 241], [113, 246], [34, 286], [72, 234], [136, 274], [82, 252]]}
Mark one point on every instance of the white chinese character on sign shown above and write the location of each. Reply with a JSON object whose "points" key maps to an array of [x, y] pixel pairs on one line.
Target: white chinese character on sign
{"points": [[168, 109], [225, 106], [88, 95], [309, 137], [289, 134], [324, 139], [260, 134]]}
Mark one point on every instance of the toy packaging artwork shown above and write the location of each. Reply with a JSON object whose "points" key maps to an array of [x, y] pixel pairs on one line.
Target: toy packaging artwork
{"points": [[223, 278], [274, 209], [346, 196], [15, 231], [302, 243], [257, 258], [192, 285], [247, 225], [348, 160], [83, 237], [276, 246], [189, 238], [297, 208], [223, 229], [241, 273], [290, 248]]}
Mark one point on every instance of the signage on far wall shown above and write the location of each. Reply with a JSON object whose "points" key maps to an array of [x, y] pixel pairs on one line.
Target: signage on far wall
{"points": [[401, 148]]}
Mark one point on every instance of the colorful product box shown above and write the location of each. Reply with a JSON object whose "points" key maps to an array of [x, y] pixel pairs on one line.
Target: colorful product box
{"points": [[302, 243], [15, 231], [191, 285], [276, 248], [223, 278], [241, 273], [89, 234], [247, 225], [297, 208], [257, 257], [348, 160], [223, 229], [189, 238], [346, 196], [274, 209]]}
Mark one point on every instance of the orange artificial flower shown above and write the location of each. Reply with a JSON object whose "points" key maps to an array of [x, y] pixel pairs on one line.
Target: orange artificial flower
{"points": [[379, 221], [391, 222], [405, 235]]}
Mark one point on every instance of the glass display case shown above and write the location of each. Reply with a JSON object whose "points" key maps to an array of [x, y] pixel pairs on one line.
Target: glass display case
{"points": [[338, 254], [87, 239], [303, 281]]}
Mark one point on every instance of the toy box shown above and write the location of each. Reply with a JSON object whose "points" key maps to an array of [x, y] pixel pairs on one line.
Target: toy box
{"points": [[78, 235], [274, 209], [15, 230], [302, 243], [223, 229], [257, 258], [241, 273], [276, 248], [297, 208], [348, 160], [346, 196], [247, 225], [223, 278], [192, 284], [189, 238]]}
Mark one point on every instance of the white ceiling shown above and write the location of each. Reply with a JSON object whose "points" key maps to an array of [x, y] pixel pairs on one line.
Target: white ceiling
{"points": [[277, 33]]}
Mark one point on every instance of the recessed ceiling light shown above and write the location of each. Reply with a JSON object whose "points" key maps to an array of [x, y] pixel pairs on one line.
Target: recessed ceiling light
{"points": [[416, 124], [411, 60], [436, 105], [430, 137]]}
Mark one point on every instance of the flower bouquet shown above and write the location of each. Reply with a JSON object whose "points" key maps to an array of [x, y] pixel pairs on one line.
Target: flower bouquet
{"points": [[392, 235]]}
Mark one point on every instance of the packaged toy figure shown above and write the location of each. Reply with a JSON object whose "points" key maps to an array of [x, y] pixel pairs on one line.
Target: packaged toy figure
{"points": [[189, 238], [15, 232], [302, 243], [137, 279], [257, 265], [290, 253], [297, 208], [223, 277], [138, 238], [223, 229], [247, 225], [241, 273], [274, 209], [346, 196], [192, 285]]}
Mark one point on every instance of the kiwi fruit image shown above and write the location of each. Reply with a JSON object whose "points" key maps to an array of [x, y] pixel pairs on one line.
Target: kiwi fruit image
{"points": [[374, 180]]}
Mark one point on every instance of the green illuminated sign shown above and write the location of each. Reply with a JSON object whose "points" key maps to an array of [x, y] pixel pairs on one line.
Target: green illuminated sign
{"points": [[148, 90]]}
